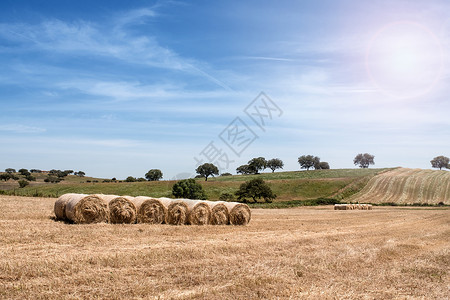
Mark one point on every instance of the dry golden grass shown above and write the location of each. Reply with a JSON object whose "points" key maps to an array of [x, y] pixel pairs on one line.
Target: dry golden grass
{"points": [[312, 253], [407, 186]]}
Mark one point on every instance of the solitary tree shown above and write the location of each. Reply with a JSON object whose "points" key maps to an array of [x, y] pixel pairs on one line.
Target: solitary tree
{"points": [[10, 170], [308, 161], [206, 170], [364, 160], [188, 188], [154, 175], [257, 164], [275, 163], [255, 189], [440, 162]]}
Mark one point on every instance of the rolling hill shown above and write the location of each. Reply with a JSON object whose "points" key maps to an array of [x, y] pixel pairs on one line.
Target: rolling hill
{"points": [[406, 186]]}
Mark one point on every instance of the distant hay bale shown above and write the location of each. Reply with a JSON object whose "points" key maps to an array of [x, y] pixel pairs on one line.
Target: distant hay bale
{"points": [[219, 213], [122, 210], [239, 213], [60, 206], [352, 206], [86, 209], [151, 210], [199, 212], [340, 206], [177, 212]]}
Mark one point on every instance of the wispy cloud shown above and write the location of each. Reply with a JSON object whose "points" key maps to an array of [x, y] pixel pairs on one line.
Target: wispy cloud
{"points": [[115, 42], [18, 128]]}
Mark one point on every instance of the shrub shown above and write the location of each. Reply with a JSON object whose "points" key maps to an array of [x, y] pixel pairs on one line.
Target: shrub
{"points": [[226, 197], [226, 174], [30, 177], [23, 183], [52, 179], [188, 188]]}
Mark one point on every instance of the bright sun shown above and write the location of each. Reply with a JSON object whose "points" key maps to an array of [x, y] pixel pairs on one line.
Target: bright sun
{"points": [[404, 60]]}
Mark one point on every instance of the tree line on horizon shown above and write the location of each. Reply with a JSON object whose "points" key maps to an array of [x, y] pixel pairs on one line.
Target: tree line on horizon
{"points": [[253, 167]]}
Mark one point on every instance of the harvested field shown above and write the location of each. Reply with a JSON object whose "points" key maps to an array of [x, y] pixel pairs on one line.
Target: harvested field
{"points": [[300, 253], [407, 186]]}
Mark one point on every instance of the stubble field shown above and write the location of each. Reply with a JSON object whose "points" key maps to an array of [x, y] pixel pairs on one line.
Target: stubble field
{"points": [[299, 253]]}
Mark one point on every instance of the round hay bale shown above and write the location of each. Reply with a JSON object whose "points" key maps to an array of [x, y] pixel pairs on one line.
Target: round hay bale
{"points": [[151, 210], [240, 213], [177, 212], [86, 209], [60, 206], [219, 213], [199, 212], [122, 210]]}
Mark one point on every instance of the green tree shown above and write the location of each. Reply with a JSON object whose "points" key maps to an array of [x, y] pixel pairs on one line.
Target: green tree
{"points": [[10, 170], [364, 160], [68, 172], [154, 175], [275, 163], [35, 171], [255, 189], [206, 170], [257, 164], [24, 172], [308, 161], [244, 170], [79, 174], [23, 183], [226, 174], [58, 173], [323, 165], [440, 162], [5, 176], [188, 188], [130, 179]]}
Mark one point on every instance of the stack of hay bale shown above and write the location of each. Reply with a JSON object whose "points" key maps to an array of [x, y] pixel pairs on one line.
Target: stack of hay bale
{"points": [[352, 206], [86, 209]]}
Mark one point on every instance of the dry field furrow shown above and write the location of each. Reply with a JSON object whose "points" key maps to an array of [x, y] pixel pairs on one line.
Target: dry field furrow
{"points": [[301, 253]]}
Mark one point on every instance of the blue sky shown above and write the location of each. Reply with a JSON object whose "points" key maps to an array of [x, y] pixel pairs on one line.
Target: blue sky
{"points": [[115, 89]]}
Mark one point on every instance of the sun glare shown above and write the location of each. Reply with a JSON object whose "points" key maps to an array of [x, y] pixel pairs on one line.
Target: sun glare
{"points": [[404, 60]]}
